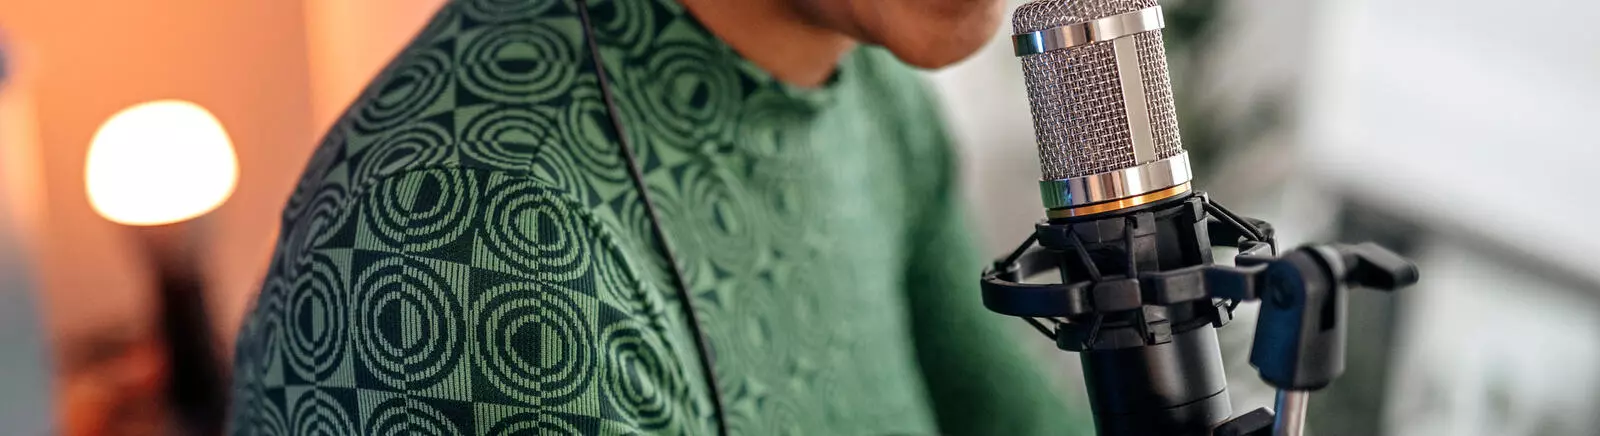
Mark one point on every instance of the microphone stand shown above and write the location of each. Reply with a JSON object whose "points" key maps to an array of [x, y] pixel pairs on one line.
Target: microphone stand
{"points": [[1140, 300]]}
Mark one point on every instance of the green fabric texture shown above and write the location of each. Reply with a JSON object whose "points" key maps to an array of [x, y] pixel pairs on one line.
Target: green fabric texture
{"points": [[465, 253]]}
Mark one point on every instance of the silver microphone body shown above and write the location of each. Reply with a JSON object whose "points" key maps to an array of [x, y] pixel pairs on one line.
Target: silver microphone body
{"points": [[1109, 153], [1101, 100]]}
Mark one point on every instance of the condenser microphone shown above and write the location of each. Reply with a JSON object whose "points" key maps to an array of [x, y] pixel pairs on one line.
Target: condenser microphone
{"points": [[1139, 298], [1116, 190], [1101, 99]]}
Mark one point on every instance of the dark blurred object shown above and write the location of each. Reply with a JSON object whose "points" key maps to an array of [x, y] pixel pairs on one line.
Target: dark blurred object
{"points": [[196, 384], [1355, 407], [1188, 21], [124, 380], [1191, 36]]}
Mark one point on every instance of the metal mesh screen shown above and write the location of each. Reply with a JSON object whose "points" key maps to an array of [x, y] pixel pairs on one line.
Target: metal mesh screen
{"points": [[1158, 91], [1079, 117], [1044, 14], [1079, 120]]}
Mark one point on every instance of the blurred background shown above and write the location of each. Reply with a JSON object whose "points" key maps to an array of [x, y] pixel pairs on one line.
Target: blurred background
{"points": [[1435, 127]]}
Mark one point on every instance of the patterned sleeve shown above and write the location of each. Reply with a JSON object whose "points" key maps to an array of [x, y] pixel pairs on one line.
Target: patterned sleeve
{"points": [[982, 380], [450, 301]]}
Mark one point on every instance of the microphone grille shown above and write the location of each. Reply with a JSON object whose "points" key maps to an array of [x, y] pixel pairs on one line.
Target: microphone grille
{"points": [[1044, 14], [1079, 111]]}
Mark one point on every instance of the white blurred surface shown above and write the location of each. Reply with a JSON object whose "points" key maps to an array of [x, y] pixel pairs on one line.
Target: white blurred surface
{"points": [[1490, 350], [1474, 115], [1475, 119]]}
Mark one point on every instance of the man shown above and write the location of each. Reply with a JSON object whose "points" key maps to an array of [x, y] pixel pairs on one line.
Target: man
{"points": [[467, 252]]}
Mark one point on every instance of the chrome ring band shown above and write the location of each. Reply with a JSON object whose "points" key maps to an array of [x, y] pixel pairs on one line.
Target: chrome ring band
{"points": [[1116, 185], [1076, 34]]}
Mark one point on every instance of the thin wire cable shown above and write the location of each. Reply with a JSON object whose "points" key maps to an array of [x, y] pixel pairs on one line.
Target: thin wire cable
{"points": [[1040, 326], [707, 366], [1235, 220]]}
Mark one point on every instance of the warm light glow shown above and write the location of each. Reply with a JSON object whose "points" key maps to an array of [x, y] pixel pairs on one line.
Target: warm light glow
{"points": [[160, 162]]}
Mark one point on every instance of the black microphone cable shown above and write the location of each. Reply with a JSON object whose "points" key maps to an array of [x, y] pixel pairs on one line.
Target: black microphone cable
{"points": [[707, 367]]}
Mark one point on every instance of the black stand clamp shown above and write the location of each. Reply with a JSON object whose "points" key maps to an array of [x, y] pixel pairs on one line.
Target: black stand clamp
{"points": [[1140, 296]]}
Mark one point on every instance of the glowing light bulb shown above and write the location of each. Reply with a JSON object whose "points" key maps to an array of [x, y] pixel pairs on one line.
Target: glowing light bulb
{"points": [[160, 162]]}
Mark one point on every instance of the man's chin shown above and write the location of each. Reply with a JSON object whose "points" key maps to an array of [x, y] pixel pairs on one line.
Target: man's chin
{"points": [[938, 46], [932, 54], [931, 59]]}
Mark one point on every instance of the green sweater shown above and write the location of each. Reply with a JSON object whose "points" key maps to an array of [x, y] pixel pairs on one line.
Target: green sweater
{"points": [[465, 253]]}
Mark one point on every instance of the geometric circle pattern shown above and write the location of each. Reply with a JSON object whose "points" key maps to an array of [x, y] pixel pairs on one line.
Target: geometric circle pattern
{"points": [[440, 210], [409, 326], [314, 318], [318, 413], [643, 382], [515, 314], [418, 80], [401, 415], [465, 252], [518, 62]]}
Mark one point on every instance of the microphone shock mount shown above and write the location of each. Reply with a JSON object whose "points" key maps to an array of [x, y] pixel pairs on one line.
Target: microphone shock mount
{"points": [[1140, 299]]}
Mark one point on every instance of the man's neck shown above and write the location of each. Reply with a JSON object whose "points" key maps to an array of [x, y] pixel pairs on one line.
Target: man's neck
{"points": [[775, 37]]}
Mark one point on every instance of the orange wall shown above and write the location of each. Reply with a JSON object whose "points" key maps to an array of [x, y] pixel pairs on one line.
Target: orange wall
{"points": [[21, 185], [243, 60], [276, 73]]}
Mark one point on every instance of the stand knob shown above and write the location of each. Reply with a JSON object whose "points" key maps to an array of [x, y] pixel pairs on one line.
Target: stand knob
{"points": [[1372, 266]]}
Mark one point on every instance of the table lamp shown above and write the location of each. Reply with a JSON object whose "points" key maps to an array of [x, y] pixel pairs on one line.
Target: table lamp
{"points": [[154, 168]]}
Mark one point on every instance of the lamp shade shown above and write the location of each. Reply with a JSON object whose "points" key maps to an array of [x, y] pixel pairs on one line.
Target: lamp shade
{"points": [[160, 162]]}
